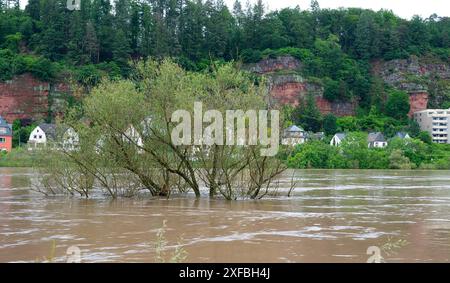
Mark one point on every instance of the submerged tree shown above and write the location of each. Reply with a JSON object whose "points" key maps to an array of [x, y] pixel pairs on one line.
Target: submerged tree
{"points": [[126, 128]]}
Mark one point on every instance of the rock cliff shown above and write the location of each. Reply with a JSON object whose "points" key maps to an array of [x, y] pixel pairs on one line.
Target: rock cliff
{"points": [[427, 80], [25, 97], [288, 86]]}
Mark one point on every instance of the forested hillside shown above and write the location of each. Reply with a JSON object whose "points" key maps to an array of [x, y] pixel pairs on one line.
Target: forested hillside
{"points": [[336, 47]]}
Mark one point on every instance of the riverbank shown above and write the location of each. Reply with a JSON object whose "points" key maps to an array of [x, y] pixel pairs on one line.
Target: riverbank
{"points": [[354, 153], [308, 156], [20, 157]]}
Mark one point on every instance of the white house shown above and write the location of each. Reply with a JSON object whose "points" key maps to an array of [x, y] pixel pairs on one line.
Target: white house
{"points": [[146, 126], [293, 135], [337, 139], [45, 133], [376, 140], [133, 136], [99, 144], [70, 140], [373, 140], [41, 135], [402, 135]]}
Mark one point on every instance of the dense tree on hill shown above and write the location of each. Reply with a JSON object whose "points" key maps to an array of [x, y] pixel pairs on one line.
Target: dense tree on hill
{"points": [[201, 29]]}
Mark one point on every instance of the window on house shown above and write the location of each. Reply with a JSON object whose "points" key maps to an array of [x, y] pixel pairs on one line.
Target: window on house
{"points": [[2, 140], [40, 137], [34, 137]]}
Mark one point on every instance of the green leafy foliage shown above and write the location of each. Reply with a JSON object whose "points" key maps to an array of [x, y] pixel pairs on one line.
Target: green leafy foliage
{"points": [[397, 105], [353, 153]]}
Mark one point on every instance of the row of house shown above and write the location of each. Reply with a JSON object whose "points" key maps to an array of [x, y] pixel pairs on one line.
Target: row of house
{"points": [[45, 133], [297, 135], [434, 121], [374, 140]]}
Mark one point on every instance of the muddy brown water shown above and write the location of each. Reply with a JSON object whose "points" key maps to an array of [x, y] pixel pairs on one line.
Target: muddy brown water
{"points": [[333, 216]]}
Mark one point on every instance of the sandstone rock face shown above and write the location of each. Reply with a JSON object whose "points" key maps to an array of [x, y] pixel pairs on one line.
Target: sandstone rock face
{"points": [[24, 97], [338, 109], [418, 101], [428, 83], [270, 65], [396, 72], [291, 89], [287, 89]]}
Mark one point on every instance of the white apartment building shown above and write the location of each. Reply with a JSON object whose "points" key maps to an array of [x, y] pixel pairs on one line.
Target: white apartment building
{"points": [[436, 122]]}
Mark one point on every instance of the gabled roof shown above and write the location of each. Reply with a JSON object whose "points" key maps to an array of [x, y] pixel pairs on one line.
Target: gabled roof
{"points": [[376, 137], [5, 128], [294, 132], [402, 135], [49, 130], [341, 136], [294, 128]]}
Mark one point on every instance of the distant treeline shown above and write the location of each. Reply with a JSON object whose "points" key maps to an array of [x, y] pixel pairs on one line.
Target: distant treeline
{"points": [[198, 31]]}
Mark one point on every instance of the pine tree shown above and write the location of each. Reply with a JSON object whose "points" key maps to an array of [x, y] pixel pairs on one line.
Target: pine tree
{"points": [[33, 9], [120, 47], [364, 36], [91, 45], [76, 41]]}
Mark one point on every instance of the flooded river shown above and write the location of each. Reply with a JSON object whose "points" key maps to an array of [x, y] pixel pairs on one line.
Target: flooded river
{"points": [[332, 216]]}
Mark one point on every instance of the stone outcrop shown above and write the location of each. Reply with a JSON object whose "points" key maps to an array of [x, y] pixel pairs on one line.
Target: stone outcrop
{"points": [[288, 86], [25, 97], [426, 81], [292, 88], [337, 108], [418, 101], [399, 72], [270, 65]]}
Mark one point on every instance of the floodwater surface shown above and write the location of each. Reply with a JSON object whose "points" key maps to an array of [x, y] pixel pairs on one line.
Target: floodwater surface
{"points": [[332, 216]]}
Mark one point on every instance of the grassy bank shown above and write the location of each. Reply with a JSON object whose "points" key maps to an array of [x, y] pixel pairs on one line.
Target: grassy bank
{"points": [[19, 157], [313, 155]]}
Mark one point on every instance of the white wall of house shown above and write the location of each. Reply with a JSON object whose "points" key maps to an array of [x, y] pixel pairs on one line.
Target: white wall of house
{"points": [[132, 135], [70, 140], [37, 136], [379, 144], [335, 141], [292, 141]]}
